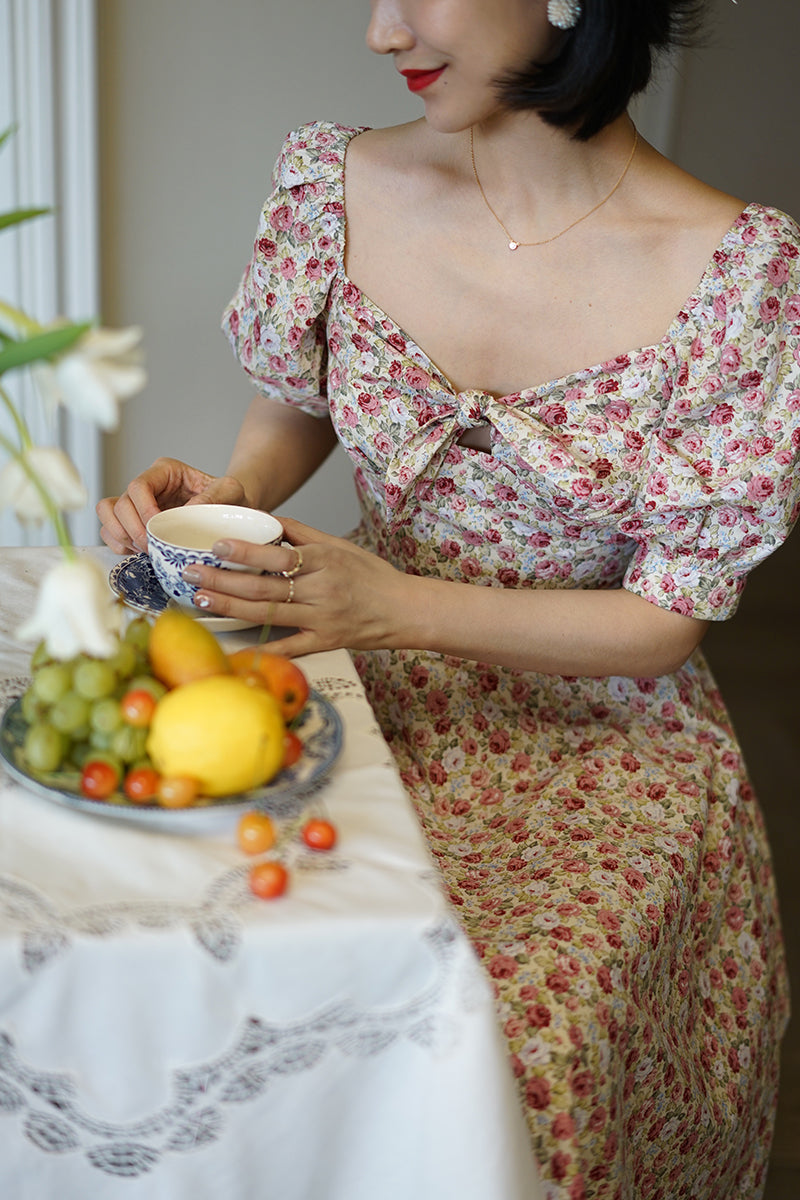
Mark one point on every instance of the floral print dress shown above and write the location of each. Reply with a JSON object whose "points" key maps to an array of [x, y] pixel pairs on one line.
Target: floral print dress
{"points": [[598, 837]]}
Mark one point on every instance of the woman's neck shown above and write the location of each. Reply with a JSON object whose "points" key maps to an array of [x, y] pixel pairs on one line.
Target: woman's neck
{"points": [[537, 177]]}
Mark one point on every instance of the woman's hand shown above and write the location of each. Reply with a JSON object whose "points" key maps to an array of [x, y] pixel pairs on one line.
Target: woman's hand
{"points": [[334, 593], [338, 595], [168, 483]]}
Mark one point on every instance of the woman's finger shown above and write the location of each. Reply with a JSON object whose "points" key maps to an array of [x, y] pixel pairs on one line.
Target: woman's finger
{"points": [[279, 608], [129, 516], [274, 560], [300, 535], [119, 524]]}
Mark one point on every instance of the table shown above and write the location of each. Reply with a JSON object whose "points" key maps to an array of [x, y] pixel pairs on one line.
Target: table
{"points": [[164, 1034]]}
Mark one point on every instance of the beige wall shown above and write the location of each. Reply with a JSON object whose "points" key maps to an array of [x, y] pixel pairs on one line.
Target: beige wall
{"points": [[739, 109], [196, 96]]}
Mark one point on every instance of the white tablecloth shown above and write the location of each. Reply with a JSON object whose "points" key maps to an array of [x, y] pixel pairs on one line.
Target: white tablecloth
{"points": [[164, 1034]]}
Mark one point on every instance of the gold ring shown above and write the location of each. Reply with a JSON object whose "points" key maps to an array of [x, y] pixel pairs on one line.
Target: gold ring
{"points": [[290, 597], [295, 570]]}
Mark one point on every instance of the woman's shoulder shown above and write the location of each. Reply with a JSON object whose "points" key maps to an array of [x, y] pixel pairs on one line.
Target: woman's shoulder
{"points": [[406, 164], [313, 151], [760, 235], [756, 270]]}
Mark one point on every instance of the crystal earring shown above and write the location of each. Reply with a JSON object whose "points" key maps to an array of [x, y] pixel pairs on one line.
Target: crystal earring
{"points": [[563, 14]]}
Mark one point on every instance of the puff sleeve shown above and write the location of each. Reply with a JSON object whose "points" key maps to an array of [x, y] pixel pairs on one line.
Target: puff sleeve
{"points": [[721, 488], [276, 319]]}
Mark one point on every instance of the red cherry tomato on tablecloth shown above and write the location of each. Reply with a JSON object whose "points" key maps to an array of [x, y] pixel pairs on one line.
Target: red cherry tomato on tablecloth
{"points": [[319, 834], [255, 833], [268, 879], [99, 779]]}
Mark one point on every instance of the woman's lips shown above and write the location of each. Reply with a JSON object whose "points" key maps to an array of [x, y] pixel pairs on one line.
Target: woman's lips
{"points": [[418, 80]]}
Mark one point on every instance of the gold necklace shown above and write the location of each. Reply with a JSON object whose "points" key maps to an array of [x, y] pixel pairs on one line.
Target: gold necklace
{"points": [[513, 244]]}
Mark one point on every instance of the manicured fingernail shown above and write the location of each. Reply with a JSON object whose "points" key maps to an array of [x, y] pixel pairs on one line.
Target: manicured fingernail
{"points": [[201, 601], [221, 549], [191, 575]]}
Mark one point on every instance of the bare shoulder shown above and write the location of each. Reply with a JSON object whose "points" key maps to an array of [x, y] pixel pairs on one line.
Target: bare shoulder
{"points": [[687, 215], [382, 147], [400, 156]]}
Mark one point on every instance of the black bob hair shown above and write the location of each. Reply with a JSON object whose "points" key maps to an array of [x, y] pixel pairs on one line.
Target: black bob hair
{"points": [[603, 62]]}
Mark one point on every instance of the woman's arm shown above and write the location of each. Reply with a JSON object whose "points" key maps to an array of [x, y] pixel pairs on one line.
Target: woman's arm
{"points": [[344, 596], [554, 630], [277, 449]]}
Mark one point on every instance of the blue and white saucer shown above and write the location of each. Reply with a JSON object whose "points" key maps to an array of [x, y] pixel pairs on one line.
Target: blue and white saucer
{"points": [[134, 581]]}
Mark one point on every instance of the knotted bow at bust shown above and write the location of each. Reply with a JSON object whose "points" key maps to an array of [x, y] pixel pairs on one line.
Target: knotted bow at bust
{"points": [[445, 417]]}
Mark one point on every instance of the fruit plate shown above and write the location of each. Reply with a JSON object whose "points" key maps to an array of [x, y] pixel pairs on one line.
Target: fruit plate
{"points": [[319, 726], [134, 581]]}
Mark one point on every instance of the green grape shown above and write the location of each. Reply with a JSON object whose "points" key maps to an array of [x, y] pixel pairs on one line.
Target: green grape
{"points": [[147, 684], [141, 763], [138, 634], [51, 682], [33, 709], [81, 752], [125, 661], [94, 678], [40, 657], [70, 714], [129, 743], [105, 715], [43, 747], [100, 740]]}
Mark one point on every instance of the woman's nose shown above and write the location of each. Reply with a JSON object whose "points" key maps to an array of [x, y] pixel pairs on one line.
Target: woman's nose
{"points": [[387, 32]]}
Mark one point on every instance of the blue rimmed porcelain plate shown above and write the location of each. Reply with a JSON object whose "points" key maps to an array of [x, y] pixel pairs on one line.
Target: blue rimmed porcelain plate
{"points": [[319, 726], [134, 581]]}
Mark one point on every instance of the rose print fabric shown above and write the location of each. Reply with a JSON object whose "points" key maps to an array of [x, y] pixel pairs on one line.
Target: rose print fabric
{"points": [[599, 838]]}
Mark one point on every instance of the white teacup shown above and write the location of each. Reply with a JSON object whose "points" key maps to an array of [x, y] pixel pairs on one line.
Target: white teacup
{"points": [[178, 537]]}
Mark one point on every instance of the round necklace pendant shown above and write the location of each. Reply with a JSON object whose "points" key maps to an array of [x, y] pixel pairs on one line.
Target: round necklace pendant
{"points": [[513, 245]]}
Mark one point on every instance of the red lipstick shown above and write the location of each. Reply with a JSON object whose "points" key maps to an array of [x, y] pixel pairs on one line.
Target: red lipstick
{"points": [[418, 80]]}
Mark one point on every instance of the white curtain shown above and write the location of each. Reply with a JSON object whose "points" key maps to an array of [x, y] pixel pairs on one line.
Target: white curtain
{"points": [[49, 267]]}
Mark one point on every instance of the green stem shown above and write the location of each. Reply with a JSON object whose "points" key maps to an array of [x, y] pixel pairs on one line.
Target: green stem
{"points": [[53, 511], [16, 321], [22, 429], [267, 626]]}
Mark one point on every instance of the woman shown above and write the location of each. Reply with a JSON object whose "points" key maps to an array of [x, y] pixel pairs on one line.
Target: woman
{"points": [[543, 544]]}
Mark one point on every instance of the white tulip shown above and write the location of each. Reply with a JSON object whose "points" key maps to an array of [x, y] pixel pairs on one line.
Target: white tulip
{"points": [[94, 375], [58, 476], [75, 612]]}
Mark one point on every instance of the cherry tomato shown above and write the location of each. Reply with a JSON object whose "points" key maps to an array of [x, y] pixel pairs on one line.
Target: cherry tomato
{"points": [[141, 784], [138, 707], [255, 833], [319, 834], [177, 791], [292, 748], [268, 879], [99, 779]]}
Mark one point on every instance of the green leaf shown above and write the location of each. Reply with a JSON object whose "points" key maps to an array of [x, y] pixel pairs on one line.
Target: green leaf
{"points": [[22, 214], [6, 134], [43, 345]]}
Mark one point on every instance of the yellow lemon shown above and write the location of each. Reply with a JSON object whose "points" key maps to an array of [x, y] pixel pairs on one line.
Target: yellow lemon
{"points": [[180, 649], [220, 730]]}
